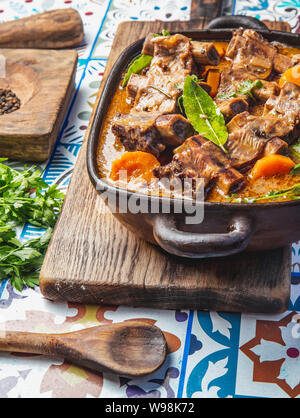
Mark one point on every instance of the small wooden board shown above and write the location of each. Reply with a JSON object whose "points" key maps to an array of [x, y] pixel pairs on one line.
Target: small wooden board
{"points": [[44, 81], [92, 258]]}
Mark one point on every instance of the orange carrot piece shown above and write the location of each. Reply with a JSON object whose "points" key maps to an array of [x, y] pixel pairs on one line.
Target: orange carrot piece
{"points": [[136, 165], [270, 165], [213, 80], [292, 75], [221, 47]]}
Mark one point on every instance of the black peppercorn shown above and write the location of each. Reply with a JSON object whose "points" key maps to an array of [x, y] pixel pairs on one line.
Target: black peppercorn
{"points": [[9, 102]]}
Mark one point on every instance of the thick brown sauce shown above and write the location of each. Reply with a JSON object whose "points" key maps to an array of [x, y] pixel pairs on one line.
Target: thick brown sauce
{"points": [[110, 148]]}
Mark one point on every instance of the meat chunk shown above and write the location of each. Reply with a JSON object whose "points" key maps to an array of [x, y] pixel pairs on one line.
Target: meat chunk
{"points": [[172, 62], [249, 51], [155, 94], [203, 52], [137, 132], [251, 137], [135, 82], [252, 52], [199, 158], [244, 148], [276, 146], [231, 80], [143, 131], [282, 63], [174, 129], [205, 87], [286, 107], [148, 47], [268, 89], [232, 107]]}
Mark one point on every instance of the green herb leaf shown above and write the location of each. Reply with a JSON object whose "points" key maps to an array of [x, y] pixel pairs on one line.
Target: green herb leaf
{"points": [[292, 192], [25, 197], [136, 66], [295, 169], [295, 149], [161, 91], [21, 262], [163, 33], [180, 105], [244, 89], [203, 113]]}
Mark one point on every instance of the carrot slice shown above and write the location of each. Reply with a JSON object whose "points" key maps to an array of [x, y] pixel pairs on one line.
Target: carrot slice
{"points": [[221, 47], [135, 165], [270, 165], [291, 75], [213, 80]]}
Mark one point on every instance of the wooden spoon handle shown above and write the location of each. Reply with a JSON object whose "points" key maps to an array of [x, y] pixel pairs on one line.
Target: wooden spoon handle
{"points": [[60, 28], [26, 342]]}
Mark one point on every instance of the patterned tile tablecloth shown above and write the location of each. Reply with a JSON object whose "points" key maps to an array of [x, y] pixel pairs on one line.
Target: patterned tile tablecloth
{"points": [[212, 354]]}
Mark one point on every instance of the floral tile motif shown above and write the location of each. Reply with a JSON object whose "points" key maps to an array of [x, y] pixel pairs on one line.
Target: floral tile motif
{"points": [[282, 10], [138, 10], [275, 353], [232, 355], [211, 364], [269, 356], [84, 100], [296, 257]]}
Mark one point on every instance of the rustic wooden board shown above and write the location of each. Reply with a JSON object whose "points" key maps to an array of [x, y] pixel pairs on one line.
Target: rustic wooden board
{"points": [[44, 80], [60, 28], [92, 258]]}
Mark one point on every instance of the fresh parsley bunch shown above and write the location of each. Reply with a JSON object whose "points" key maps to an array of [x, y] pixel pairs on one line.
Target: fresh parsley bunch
{"points": [[21, 262], [25, 198]]}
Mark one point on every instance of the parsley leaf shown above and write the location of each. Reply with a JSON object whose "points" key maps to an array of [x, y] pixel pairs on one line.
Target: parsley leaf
{"points": [[295, 149], [163, 33], [21, 262], [244, 89], [25, 198], [295, 169], [292, 193]]}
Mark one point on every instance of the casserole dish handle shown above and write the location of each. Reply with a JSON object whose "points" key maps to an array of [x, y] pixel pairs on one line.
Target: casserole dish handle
{"points": [[235, 22], [202, 245]]}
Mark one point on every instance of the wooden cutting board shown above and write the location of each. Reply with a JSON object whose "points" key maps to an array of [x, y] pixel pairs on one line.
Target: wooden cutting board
{"points": [[92, 258], [44, 81]]}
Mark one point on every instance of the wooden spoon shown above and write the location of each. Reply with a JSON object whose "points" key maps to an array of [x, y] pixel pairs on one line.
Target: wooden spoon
{"points": [[60, 28], [131, 348]]}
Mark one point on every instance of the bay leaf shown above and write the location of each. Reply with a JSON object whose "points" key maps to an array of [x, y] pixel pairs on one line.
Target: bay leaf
{"points": [[204, 115]]}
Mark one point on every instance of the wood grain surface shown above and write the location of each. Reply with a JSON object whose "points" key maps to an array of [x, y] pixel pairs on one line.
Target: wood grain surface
{"points": [[92, 258], [60, 28], [44, 81]]}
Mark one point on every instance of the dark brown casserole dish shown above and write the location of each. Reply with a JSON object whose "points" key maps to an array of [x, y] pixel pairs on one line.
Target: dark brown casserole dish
{"points": [[260, 106]]}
